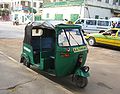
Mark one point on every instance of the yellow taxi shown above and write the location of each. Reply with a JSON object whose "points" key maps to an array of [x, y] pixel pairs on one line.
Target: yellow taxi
{"points": [[109, 37]]}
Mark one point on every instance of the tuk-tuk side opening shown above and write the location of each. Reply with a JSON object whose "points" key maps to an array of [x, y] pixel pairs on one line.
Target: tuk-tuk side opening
{"points": [[46, 45]]}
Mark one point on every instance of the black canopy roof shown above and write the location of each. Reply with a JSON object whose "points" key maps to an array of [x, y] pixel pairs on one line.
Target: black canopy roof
{"points": [[45, 25], [42, 25]]}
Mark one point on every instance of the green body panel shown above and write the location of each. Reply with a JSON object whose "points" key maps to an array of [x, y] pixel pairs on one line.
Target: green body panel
{"points": [[81, 73], [63, 65], [28, 52], [66, 65], [41, 64]]}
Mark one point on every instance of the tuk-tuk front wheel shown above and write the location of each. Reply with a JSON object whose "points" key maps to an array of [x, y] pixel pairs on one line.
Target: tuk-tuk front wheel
{"points": [[26, 63], [81, 82]]}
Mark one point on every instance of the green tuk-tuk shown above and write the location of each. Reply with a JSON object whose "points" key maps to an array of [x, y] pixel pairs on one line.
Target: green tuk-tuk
{"points": [[59, 49]]}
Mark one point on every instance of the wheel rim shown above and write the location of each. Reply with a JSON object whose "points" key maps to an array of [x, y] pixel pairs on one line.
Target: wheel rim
{"points": [[81, 82], [91, 41]]}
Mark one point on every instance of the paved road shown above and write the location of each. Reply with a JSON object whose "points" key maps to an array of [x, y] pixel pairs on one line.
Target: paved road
{"points": [[104, 68], [7, 30]]}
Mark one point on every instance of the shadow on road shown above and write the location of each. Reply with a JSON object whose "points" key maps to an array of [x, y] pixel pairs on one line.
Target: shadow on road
{"points": [[108, 47], [66, 82]]}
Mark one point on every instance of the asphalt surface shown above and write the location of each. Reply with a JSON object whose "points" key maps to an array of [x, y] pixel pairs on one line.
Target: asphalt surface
{"points": [[7, 30], [104, 65]]}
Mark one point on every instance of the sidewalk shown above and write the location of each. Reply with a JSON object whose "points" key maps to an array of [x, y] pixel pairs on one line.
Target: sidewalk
{"points": [[17, 79]]}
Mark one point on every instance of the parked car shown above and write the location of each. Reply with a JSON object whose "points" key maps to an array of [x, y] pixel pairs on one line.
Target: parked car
{"points": [[91, 25], [109, 37]]}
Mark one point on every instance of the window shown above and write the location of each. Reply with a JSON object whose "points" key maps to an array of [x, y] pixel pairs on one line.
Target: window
{"points": [[112, 32], [58, 16], [78, 22], [91, 22], [47, 15], [40, 5], [74, 17], [118, 25], [22, 3], [115, 2], [68, 37], [1, 5], [6, 6], [106, 1], [119, 33], [106, 18], [81, 21], [96, 16], [34, 4], [103, 23]]}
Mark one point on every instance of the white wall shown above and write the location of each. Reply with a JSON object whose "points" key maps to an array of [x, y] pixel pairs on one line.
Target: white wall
{"points": [[97, 11], [66, 11], [61, 10]]}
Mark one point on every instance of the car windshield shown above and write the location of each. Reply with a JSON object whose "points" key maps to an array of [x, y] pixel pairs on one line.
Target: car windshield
{"points": [[70, 37]]}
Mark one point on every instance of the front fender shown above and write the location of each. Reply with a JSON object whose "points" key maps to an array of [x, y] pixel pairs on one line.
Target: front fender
{"points": [[25, 56], [82, 73]]}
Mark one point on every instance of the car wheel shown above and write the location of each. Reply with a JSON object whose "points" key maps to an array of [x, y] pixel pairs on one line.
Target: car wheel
{"points": [[91, 41]]}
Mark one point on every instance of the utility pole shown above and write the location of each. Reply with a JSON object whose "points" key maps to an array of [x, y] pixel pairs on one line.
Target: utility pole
{"points": [[32, 11], [86, 7]]}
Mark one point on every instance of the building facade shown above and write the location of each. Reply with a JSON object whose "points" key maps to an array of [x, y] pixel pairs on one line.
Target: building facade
{"points": [[26, 10], [5, 9], [72, 9]]}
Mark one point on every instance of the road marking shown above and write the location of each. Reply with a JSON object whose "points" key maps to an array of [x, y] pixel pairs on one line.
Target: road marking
{"points": [[17, 62]]}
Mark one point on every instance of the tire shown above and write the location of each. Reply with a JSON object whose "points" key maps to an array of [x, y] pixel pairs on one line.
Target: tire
{"points": [[21, 60], [26, 63], [91, 41], [101, 31], [81, 82]]}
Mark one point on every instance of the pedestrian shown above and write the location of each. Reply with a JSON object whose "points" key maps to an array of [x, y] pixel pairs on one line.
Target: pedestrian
{"points": [[113, 24]]}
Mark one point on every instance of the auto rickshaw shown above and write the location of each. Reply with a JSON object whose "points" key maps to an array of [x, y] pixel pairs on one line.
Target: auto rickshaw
{"points": [[57, 49]]}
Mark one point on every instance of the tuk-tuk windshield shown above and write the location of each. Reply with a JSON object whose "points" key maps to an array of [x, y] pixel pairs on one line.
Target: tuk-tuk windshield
{"points": [[70, 37]]}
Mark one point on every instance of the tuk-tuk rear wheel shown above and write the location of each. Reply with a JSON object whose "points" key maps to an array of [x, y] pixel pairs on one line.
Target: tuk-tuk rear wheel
{"points": [[26, 63], [81, 82]]}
